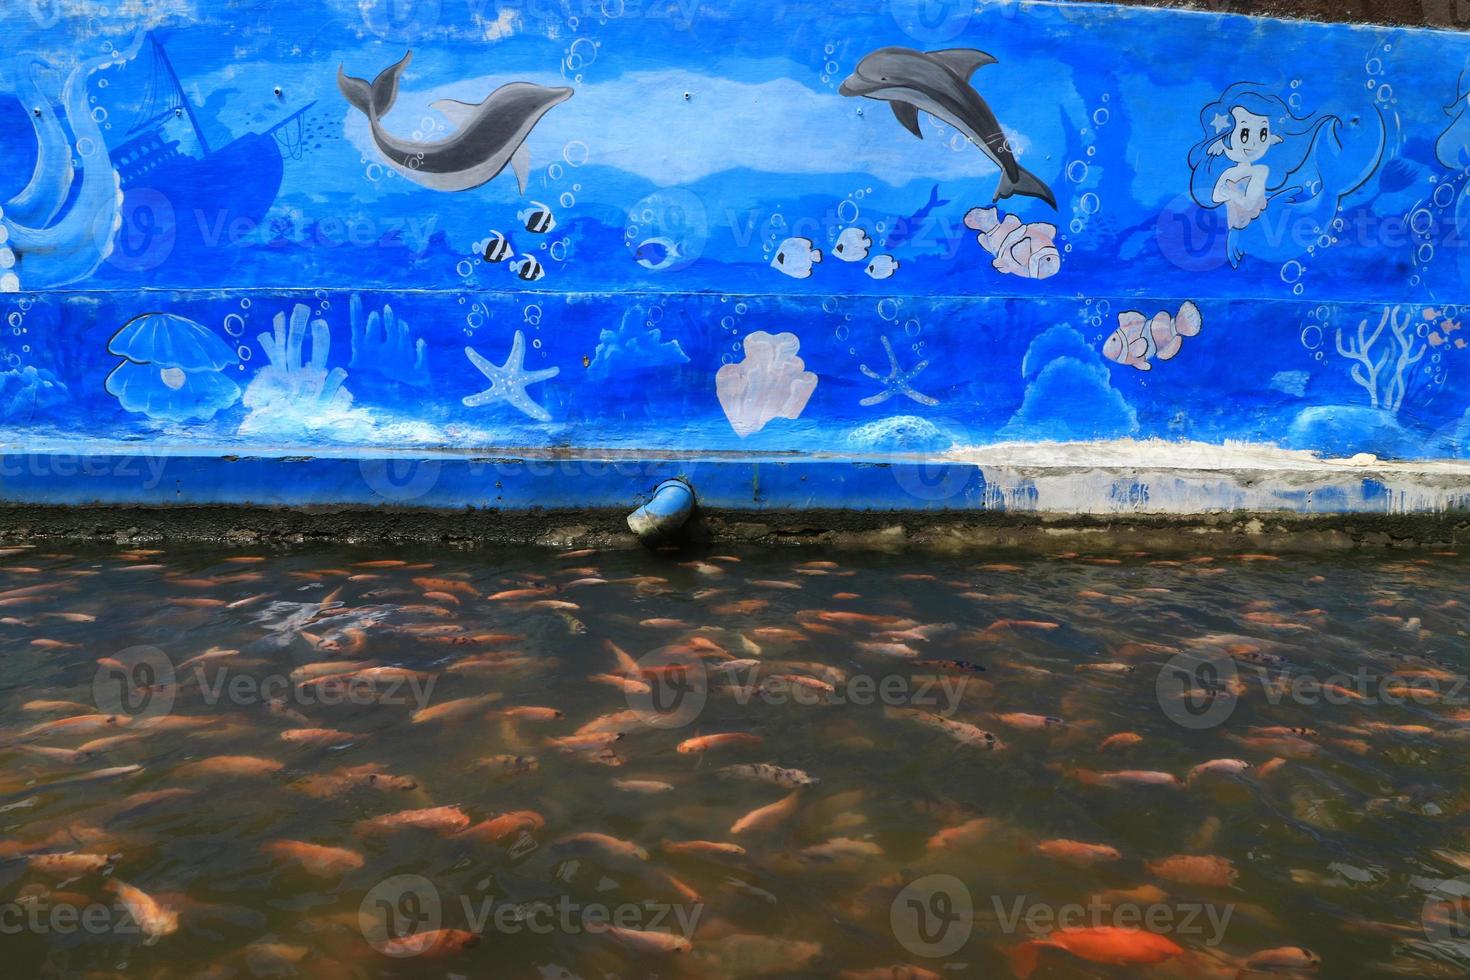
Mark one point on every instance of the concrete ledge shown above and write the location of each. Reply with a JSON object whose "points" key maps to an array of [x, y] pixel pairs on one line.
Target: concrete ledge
{"points": [[1051, 496], [1105, 479]]}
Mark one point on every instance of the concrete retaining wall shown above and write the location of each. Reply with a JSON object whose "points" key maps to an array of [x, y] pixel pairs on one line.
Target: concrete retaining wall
{"points": [[1025, 257]]}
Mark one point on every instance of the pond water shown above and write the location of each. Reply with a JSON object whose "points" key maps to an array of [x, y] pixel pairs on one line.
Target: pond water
{"points": [[362, 762]]}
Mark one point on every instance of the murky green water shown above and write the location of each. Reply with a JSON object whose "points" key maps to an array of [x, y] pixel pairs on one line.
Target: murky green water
{"points": [[962, 789]]}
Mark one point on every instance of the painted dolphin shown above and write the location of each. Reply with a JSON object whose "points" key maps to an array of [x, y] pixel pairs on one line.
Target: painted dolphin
{"points": [[939, 83], [487, 136]]}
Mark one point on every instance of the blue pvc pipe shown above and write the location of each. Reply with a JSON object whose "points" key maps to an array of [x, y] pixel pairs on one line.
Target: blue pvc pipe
{"points": [[664, 514]]}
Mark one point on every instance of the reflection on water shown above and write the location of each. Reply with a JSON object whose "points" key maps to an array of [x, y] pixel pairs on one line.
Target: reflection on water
{"points": [[340, 763]]}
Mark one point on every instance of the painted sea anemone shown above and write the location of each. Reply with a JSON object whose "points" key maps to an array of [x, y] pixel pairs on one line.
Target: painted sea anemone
{"points": [[172, 370]]}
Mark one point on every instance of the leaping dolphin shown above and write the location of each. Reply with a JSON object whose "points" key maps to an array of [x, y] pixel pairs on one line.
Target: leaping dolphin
{"points": [[939, 83], [487, 136]]}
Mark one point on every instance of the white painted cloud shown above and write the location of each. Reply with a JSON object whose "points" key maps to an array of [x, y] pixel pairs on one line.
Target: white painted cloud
{"points": [[641, 123]]}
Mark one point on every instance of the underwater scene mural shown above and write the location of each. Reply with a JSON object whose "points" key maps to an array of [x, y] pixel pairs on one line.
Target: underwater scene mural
{"points": [[841, 227]]}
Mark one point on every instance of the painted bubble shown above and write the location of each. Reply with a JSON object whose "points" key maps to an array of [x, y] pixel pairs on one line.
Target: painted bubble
{"points": [[575, 153]]}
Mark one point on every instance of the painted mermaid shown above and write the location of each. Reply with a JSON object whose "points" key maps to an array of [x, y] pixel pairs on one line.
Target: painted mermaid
{"points": [[1228, 166]]}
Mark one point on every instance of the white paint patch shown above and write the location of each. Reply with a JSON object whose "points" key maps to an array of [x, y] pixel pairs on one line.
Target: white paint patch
{"points": [[505, 25], [1138, 477]]}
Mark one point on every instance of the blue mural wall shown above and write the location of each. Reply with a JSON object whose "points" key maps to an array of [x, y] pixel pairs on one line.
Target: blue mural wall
{"points": [[840, 227]]}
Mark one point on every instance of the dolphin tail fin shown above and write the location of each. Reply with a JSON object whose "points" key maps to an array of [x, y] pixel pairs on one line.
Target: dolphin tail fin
{"points": [[356, 90], [1026, 183], [385, 86]]}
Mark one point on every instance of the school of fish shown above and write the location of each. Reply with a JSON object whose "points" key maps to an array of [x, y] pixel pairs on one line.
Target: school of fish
{"points": [[753, 754]]}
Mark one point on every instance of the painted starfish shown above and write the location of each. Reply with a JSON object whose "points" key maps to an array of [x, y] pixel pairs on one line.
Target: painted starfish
{"points": [[897, 382], [508, 381]]}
